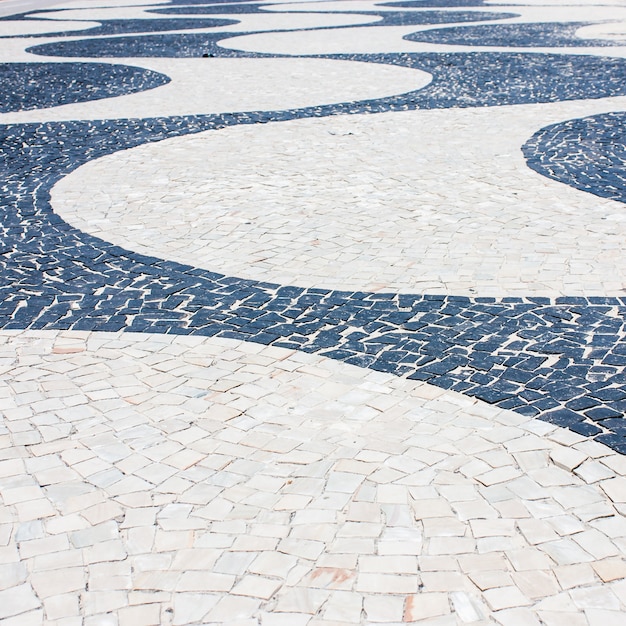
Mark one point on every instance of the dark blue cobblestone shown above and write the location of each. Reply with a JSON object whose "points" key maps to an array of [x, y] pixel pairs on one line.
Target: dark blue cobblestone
{"points": [[200, 8], [27, 86], [388, 18], [128, 27], [587, 153], [543, 35], [459, 79], [192, 45], [418, 4]]}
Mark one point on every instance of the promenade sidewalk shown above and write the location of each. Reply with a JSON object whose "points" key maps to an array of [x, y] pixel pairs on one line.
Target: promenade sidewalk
{"points": [[312, 313]]}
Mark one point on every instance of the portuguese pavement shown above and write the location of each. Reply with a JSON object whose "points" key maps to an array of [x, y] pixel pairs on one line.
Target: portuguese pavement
{"points": [[313, 313]]}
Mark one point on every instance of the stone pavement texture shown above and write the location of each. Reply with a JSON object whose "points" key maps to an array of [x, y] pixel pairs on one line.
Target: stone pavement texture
{"points": [[312, 313]]}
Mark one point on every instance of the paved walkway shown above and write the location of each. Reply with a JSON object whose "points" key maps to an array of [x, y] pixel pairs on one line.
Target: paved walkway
{"points": [[312, 313]]}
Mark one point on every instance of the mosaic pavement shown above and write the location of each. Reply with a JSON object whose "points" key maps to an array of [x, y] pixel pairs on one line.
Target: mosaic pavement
{"points": [[312, 313]]}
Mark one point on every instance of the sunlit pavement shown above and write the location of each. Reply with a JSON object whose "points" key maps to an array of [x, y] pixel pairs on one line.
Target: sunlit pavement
{"points": [[312, 313]]}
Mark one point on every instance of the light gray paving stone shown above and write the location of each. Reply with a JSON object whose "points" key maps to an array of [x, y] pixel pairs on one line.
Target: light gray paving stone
{"points": [[72, 580], [18, 600], [566, 552], [615, 488], [444, 526], [467, 607], [286, 619], [344, 606], [526, 559], [614, 526], [593, 471], [389, 564], [491, 579], [610, 569], [256, 586], [62, 606], [386, 583], [563, 618], [536, 584], [451, 545], [147, 614], [46, 545], [444, 581], [401, 541], [192, 607], [31, 618], [492, 528], [516, 617], [600, 617], [595, 597], [12, 574], [231, 608], [537, 531], [106, 619], [596, 543], [505, 597], [383, 608], [566, 524], [424, 606], [438, 564]]}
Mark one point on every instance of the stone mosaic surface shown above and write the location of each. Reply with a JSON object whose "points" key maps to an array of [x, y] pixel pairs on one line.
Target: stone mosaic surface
{"points": [[512, 35], [106, 296], [124, 27], [417, 4], [285, 488], [586, 153], [181, 444], [488, 252], [387, 18], [27, 86]]}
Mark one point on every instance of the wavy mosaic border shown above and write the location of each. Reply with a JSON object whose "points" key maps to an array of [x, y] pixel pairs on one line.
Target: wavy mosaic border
{"points": [[560, 360], [587, 153], [544, 35], [28, 86]]}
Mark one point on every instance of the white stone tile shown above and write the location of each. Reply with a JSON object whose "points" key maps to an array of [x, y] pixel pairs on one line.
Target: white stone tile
{"points": [[256, 587], [17, 600], [386, 583], [615, 488], [595, 597], [205, 581], [72, 580], [536, 584], [505, 598], [285, 619], [383, 608], [31, 618], [596, 543], [563, 618], [610, 569], [517, 617], [192, 607], [231, 608], [444, 581], [427, 605], [62, 606], [388, 564], [467, 607], [147, 614], [302, 600]]}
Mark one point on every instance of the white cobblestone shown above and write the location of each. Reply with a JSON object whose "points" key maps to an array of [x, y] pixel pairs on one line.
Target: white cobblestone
{"points": [[367, 550]]}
